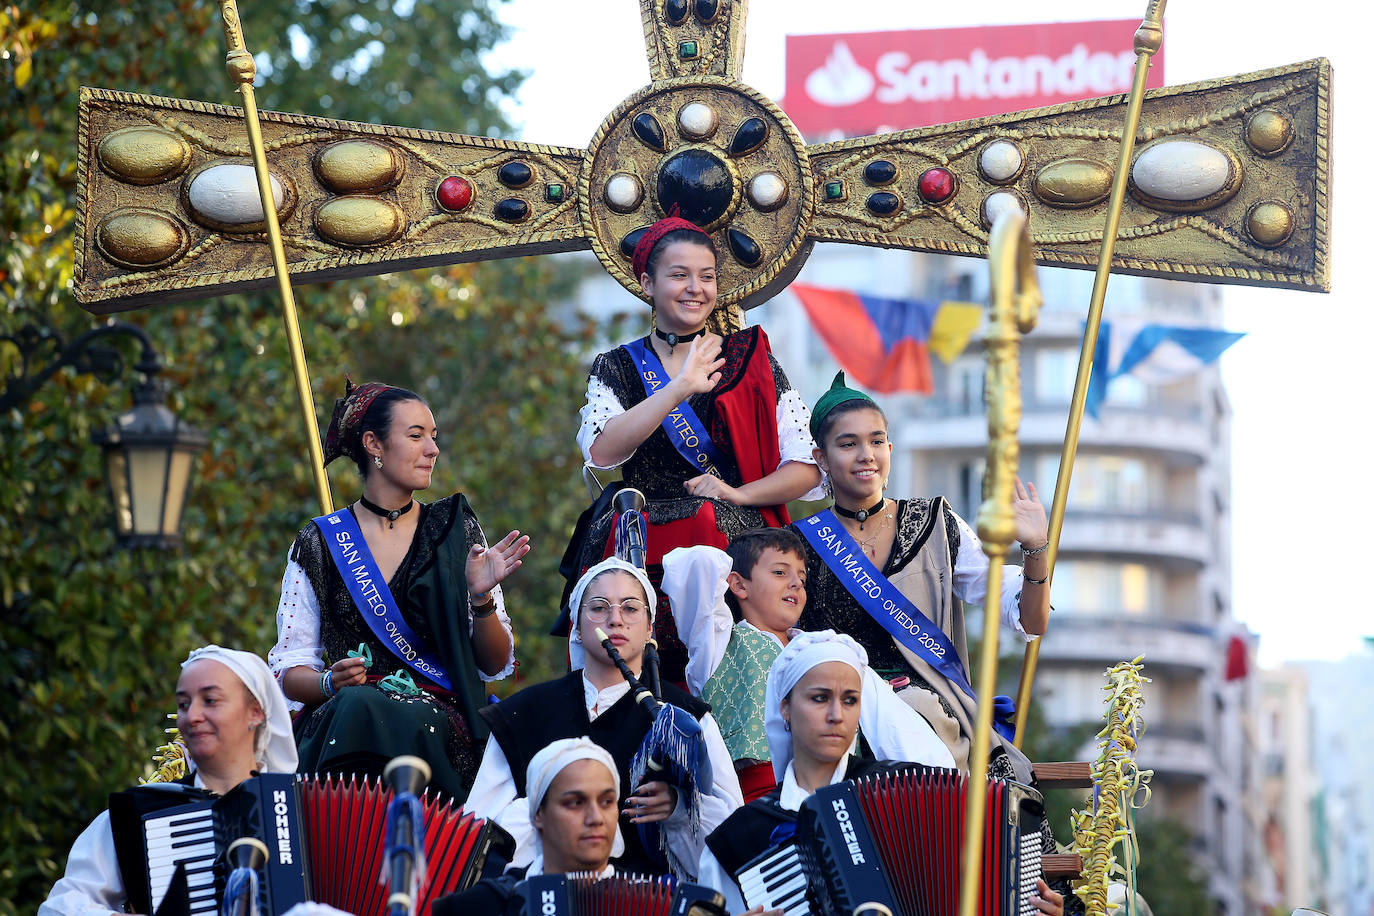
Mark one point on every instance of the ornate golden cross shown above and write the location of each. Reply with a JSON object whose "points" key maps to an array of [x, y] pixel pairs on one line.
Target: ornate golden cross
{"points": [[1229, 183]]}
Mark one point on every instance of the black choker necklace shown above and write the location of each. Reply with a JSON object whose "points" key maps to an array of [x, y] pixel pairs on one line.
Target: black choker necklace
{"points": [[862, 515], [672, 340], [389, 514]]}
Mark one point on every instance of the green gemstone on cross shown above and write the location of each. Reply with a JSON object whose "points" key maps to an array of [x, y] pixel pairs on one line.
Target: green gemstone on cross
{"points": [[687, 50], [834, 190], [553, 193]]}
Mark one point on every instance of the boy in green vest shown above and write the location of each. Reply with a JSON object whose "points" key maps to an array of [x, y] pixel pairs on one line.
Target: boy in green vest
{"points": [[736, 610]]}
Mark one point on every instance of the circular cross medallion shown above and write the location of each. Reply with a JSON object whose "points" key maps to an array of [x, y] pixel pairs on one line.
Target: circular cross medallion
{"points": [[747, 182]]}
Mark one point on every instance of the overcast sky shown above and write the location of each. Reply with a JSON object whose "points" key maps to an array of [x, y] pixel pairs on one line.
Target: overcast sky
{"points": [[1301, 504]]}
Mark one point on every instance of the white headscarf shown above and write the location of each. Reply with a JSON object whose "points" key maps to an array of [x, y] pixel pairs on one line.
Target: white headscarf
{"points": [[577, 653], [274, 747], [804, 652], [544, 769]]}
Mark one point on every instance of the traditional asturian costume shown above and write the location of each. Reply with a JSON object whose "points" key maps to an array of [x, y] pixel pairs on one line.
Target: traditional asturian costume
{"points": [[100, 876], [936, 565], [569, 707], [729, 664], [362, 727], [754, 420]]}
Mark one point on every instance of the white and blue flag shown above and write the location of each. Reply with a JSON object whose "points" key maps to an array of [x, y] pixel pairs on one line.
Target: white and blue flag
{"points": [[1157, 354]]}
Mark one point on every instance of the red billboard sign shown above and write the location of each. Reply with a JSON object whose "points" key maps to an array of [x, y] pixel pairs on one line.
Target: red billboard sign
{"points": [[866, 82]]}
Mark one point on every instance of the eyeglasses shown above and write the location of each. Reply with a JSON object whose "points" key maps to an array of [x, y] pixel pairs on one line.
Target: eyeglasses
{"points": [[631, 609]]}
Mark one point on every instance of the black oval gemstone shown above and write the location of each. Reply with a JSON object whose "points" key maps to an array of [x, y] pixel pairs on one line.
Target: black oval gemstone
{"points": [[883, 203], [515, 174], [880, 172], [512, 210], [675, 11], [745, 249], [648, 130], [749, 137], [706, 9], [698, 183], [628, 243]]}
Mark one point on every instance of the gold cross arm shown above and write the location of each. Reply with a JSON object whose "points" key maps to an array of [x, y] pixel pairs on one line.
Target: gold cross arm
{"points": [[1229, 183]]}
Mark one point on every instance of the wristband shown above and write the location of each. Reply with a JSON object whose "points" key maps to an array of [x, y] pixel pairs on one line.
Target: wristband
{"points": [[1035, 551], [327, 683]]}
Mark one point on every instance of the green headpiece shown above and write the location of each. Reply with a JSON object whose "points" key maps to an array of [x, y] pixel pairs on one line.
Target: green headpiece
{"points": [[836, 395]]}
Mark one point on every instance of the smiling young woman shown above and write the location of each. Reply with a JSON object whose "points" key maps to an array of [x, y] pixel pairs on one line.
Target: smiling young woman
{"points": [[422, 594], [924, 560], [697, 415]]}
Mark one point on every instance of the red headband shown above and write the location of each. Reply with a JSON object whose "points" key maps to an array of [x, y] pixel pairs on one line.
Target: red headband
{"points": [[670, 223], [349, 410]]}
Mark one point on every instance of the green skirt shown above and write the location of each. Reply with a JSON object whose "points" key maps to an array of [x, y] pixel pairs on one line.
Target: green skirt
{"points": [[362, 728]]}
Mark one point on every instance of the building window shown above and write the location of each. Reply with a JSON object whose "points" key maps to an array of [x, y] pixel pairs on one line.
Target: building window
{"points": [[1114, 483], [1100, 587]]}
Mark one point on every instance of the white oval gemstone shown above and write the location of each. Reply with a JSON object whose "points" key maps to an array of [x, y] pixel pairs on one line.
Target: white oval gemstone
{"points": [[1181, 170], [999, 202], [228, 193], [767, 188], [1000, 160], [623, 190], [696, 120]]}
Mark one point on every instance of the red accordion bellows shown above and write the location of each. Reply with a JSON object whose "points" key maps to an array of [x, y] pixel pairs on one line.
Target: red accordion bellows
{"points": [[346, 829]]}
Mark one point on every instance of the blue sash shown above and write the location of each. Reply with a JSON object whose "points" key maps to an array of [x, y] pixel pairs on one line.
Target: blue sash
{"points": [[373, 598], [684, 428], [881, 599]]}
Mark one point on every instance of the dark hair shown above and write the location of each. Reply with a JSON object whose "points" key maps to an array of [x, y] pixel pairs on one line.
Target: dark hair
{"points": [[377, 420], [746, 549], [839, 410], [677, 235]]}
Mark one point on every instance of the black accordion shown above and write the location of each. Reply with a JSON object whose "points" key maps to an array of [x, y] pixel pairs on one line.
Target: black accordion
{"points": [[618, 895], [896, 839], [325, 838]]}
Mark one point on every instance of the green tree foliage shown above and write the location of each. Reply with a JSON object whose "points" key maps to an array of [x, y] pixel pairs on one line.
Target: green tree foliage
{"points": [[92, 635]]}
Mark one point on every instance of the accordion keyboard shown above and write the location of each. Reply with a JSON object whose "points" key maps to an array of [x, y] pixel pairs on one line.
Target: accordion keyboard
{"points": [[187, 838], [776, 880]]}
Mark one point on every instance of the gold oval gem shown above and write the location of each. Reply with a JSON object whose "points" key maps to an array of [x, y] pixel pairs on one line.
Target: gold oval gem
{"points": [[360, 221], [1073, 183], [350, 166], [136, 237], [1268, 132], [1269, 223], [143, 155]]}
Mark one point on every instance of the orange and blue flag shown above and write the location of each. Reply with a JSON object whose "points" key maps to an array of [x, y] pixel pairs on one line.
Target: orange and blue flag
{"points": [[885, 344]]}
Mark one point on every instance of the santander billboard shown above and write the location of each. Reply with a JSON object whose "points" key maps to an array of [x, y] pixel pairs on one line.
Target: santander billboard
{"points": [[868, 82]]}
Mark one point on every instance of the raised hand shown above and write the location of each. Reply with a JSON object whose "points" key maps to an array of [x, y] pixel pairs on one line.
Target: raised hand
{"points": [[701, 369], [488, 567], [1032, 528]]}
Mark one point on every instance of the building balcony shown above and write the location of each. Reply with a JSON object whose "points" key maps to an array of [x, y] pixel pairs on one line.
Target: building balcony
{"points": [[1176, 751], [1102, 640], [1164, 427], [1162, 535]]}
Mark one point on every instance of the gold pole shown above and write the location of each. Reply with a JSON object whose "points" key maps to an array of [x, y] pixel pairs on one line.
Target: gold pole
{"points": [[242, 69], [1147, 41], [1012, 312]]}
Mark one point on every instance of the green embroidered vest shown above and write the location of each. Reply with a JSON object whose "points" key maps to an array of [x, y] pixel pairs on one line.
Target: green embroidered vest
{"points": [[736, 690]]}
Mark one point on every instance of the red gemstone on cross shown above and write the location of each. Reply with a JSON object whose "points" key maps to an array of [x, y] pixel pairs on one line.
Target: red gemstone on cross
{"points": [[936, 185], [454, 193]]}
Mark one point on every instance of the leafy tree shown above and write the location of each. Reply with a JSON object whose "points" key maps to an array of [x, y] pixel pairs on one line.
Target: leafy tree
{"points": [[92, 635]]}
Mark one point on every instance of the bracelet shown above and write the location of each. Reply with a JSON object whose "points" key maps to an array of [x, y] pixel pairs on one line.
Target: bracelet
{"points": [[1035, 551], [327, 683], [490, 609], [1040, 581]]}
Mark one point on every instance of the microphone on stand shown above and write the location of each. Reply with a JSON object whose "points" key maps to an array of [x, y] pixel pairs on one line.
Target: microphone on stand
{"points": [[403, 863]]}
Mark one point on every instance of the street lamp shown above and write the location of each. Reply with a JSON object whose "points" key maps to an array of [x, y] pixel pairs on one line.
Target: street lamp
{"points": [[149, 451]]}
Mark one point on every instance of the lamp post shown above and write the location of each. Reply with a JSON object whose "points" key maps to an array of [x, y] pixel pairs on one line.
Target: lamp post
{"points": [[149, 452]]}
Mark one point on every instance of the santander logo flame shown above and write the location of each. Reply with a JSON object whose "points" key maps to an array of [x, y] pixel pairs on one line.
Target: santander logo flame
{"points": [[840, 81]]}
